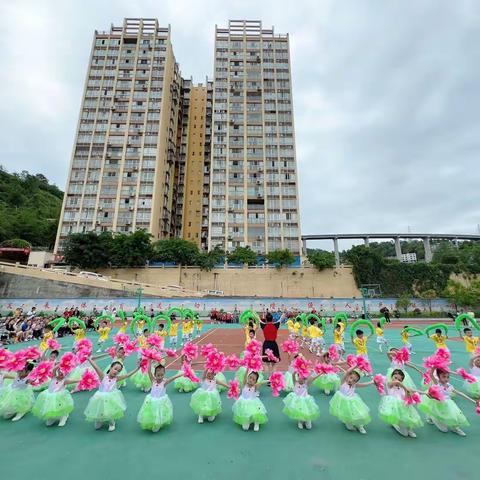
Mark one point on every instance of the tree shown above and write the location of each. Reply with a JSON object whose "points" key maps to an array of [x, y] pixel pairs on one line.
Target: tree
{"points": [[281, 258], [208, 260], [321, 259], [403, 302], [131, 250], [16, 243], [243, 255], [463, 295], [428, 296], [89, 250], [176, 250]]}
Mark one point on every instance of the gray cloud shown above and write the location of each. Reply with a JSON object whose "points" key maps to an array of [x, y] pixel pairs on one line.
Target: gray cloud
{"points": [[386, 98]]}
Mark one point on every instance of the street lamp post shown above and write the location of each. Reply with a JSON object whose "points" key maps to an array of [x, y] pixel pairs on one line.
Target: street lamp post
{"points": [[364, 292], [139, 292]]}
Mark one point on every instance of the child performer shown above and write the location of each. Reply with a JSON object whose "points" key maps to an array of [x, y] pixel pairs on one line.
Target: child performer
{"points": [[48, 335], [299, 405], [199, 325], [347, 405], [184, 384], [329, 382], [205, 401], [444, 414], [173, 332], [250, 327], [473, 389], [17, 398], [393, 410], [381, 340], [249, 409], [360, 343], [288, 375], [439, 339], [156, 411], [120, 358], [338, 338], [107, 404], [317, 341], [103, 332], [56, 403], [406, 339], [471, 342]]}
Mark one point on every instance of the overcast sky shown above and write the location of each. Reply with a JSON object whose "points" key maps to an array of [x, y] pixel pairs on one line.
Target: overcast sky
{"points": [[386, 98]]}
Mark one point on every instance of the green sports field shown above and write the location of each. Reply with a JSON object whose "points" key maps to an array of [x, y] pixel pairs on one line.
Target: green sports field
{"points": [[221, 450]]}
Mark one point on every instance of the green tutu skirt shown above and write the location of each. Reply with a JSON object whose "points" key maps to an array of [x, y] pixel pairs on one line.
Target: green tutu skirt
{"points": [[155, 413], [407, 381], [445, 412], [247, 411], [221, 378], [15, 400], [329, 382], [184, 384], [393, 411], [43, 386], [52, 405], [302, 409], [240, 375], [123, 383], [105, 406], [288, 379], [472, 389], [350, 410], [142, 381], [206, 403]]}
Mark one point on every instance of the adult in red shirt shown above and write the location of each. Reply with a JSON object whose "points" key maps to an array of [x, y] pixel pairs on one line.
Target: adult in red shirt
{"points": [[270, 333]]}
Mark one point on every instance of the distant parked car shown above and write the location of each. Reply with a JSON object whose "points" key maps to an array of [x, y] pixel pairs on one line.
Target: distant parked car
{"points": [[93, 275]]}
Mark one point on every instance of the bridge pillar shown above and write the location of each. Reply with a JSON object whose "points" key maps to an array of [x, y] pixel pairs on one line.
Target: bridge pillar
{"points": [[398, 249], [304, 247], [337, 253], [455, 242], [428, 249], [366, 240]]}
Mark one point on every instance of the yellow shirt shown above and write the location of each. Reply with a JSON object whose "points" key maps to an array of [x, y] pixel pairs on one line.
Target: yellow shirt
{"points": [[79, 334], [290, 325], [304, 332], [104, 331], [43, 344], [379, 332], [405, 336], [296, 327], [342, 326], [199, 325], [123, 328], [173, 329], [470, 343], [162, 333], [361, 345], [142, 341], [439, 340], [314, 332], [337, 337]]}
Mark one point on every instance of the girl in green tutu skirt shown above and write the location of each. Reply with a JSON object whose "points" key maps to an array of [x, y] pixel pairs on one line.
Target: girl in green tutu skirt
{"points": [[205, 401], [299, 405], [249, 409], [56, 403], [347, 405], [107, 404], [16, 399], [444, 414], [393, 410], [156, 411]]}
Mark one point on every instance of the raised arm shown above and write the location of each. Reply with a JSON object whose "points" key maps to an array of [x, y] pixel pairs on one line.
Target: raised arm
{"points": [[171, 379], [129, 374], [97, 369]]}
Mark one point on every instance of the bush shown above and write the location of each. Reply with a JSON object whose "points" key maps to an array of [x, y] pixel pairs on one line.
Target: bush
{"points": [[321, 259], [16, 243], [280, 258]]}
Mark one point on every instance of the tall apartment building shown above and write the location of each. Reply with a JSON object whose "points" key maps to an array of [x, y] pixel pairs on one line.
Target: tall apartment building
{"points": [[126, 151], [213, 163], [253, 186]]}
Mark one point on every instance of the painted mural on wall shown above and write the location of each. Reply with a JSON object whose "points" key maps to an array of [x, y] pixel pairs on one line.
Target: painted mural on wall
{"points": [[327, 306]]}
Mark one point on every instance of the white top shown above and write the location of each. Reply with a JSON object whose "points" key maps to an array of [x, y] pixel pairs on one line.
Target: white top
{"points": [[301, 390], [397, 365], [19, 384], [56, 386], [209, 385], [249, 393], [396, 392], [475, 371], [347, 390], [446, 389], [158, 389], [108, 384]]}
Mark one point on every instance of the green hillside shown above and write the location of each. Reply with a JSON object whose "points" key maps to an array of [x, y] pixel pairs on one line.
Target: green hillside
{"points": [[29, 208]]}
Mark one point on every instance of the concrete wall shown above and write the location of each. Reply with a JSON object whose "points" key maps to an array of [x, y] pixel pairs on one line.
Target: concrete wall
{"points": [[262, 282], [21, 286]]}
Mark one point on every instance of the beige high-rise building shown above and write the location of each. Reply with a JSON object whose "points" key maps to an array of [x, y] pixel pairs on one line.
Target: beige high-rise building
{"points": [[213, 163], [122, 171], [253, 182]]}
